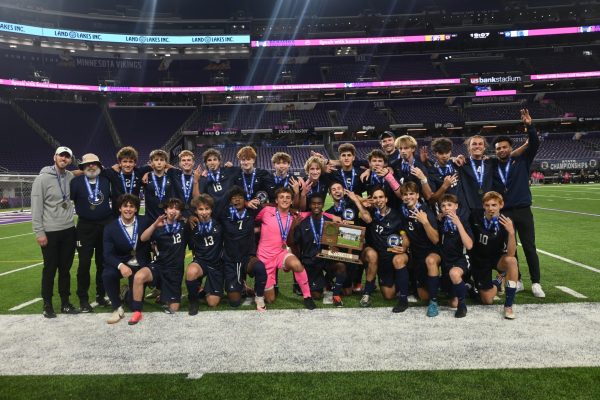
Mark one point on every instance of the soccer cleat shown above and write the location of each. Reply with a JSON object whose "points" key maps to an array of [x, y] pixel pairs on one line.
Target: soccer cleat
{"points": [[260, 303], [365, 301], [337, 301], [412, 299], [68, 308], [432, 309], [154, 293], [167, 310], [194, 306], [401, 306], [537, 291], [135, 318], [520, 286], [357, 288], [116, 316], [48, 311], [103, 302], [509, 313], [461, 311], [309, 303], [86, 308]]}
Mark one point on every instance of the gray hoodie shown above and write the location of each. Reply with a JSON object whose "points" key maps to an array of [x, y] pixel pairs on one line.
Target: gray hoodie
{"points": [[47, 212]]}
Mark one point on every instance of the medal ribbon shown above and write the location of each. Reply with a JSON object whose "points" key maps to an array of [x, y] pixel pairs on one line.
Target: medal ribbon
{"points": [[131, 239], [351, 186], [160, 193], [60, 186], [316, 235], [283, 232], [125, 184], [186, 184], [478, 176], [504, 175], [249, 187], [92, 196]]}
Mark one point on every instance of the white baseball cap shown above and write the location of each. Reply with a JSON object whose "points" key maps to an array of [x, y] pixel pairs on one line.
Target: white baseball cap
{"points": [[63, 149]]}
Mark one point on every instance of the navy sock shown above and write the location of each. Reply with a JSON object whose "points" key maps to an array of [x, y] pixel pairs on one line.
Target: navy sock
{"points": [[338, 285], [433, 283], [260, 278], [137, 305], [192, 287], [460, 290], [510, 296], [401, 282], [369, 287]]}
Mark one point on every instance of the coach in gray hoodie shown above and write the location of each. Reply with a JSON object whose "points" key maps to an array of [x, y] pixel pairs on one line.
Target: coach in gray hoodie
{"points": [[54, 228]]}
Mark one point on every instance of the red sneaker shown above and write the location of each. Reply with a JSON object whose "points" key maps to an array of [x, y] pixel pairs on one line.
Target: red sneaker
{"points": [[337, 301], [136, 317]]}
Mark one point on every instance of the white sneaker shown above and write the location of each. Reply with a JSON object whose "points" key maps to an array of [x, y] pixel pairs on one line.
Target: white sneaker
{"points": [[116, 316], [537, 291], [412, 299], [328, 298], [520, 286]]}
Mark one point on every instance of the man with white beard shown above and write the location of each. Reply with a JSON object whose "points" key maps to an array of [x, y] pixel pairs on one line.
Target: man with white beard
{"points": [[91, 193]]}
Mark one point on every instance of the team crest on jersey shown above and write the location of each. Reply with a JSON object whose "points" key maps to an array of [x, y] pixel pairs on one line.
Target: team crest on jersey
{"points": [[394, 240], [349, 214]]}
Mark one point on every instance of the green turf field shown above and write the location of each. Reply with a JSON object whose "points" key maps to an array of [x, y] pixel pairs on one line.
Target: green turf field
{"points": [[567, 218]]}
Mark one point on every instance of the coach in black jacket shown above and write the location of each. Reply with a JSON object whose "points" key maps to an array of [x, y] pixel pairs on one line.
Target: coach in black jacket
{"points": [[511, 179]]}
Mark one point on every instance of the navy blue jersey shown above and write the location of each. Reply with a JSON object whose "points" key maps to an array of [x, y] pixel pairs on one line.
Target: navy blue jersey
{"points": [[171, 245], [321, 187], [350, 180], [217, 183], [279, 182], [346, 210], [260, 180], [89, 205], [154, 196], [420, 245], [238, 228], [116, 246], [436, 174], [207, 243], [402, 171], [452, 246], [471, 190], [381, 228], [490, 242], [305, 239], [515, 187], [121, 183], [180, 179]]}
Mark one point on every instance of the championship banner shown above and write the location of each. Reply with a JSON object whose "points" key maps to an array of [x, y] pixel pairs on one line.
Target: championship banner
{"points": [[568, 164]]}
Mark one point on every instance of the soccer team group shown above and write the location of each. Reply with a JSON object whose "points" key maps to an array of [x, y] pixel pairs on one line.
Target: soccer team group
{"points": [[432, 225]]}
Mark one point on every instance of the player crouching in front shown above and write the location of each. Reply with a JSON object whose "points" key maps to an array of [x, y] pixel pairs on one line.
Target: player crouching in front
{"points": [[456, 236], [495, 247], [207, 245], [169, 235], [308, 235]]}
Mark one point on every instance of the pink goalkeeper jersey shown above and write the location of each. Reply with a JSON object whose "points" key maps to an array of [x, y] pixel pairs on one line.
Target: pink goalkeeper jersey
{"points": [[271, 244]]}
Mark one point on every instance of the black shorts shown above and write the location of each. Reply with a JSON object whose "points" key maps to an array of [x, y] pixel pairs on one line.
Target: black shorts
{"points": [[170, 283], [420, 267], [315, 272], [385, 269], [353, 271], [481, 271], [215, 277], [235, 275], [462, 263]]}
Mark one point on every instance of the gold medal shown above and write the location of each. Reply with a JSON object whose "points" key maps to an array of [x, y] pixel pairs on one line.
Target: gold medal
{"points": [[92, 207], [132, 253]]}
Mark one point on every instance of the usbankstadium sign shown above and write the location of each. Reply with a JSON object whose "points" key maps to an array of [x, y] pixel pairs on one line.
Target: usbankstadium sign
{"points": [[122, 38], [491, 80]]}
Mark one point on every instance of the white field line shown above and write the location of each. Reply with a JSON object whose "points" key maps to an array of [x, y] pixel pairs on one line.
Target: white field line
{"points": [[571, 292], [21, 269], [15, 308], [14, 223], [565, 197], [566, 211], [284, 341], [14, 236], [567, 260]]}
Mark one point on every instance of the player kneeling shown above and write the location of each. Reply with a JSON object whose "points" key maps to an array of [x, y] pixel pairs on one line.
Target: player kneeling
{"points": [[307, 236], [207, 245], [169, 235], [494, 248], [385, 254], [456, 236]]}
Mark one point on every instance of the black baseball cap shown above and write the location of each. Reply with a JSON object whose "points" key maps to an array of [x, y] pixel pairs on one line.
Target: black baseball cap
{"points": [[387, 134]]}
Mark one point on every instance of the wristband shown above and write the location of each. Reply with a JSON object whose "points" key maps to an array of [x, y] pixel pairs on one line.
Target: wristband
{"points": [[389, 178]]}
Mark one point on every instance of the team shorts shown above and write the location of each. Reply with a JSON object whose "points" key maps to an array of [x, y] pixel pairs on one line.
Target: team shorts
{"points": [[481, 271], [170, 283], [274, 264], [235, 275], [316, 275], [214, 276], [385, 269], [420, 267]]}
